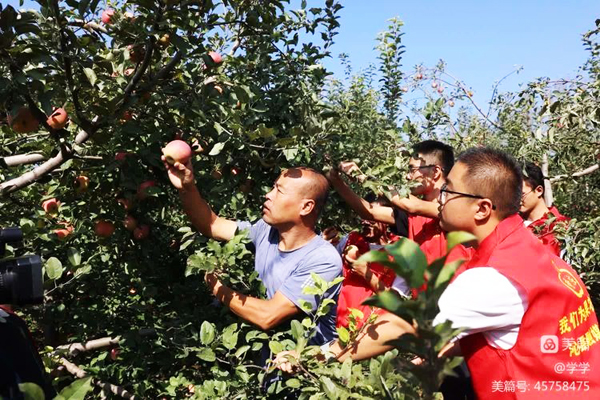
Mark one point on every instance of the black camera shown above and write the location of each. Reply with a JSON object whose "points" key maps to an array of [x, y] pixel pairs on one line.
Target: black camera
{"points": [[21, 279]]}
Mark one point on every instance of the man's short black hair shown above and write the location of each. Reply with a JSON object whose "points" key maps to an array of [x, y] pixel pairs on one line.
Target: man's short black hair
{"points": [[533, 175], [495, 175], [441, 153]]}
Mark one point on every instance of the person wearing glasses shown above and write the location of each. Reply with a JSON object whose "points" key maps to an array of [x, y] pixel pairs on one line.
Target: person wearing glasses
{"points": [[518, 304], [540, 219], [414, 217]]}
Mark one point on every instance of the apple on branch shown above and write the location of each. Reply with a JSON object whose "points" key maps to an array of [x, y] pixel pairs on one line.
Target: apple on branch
{"points": [[142, 192], [51, 206], [130, 223], [104, 228], [58, 119], [81, 183], [141, 232], [23, 122], [62, 233], [107, 15]]}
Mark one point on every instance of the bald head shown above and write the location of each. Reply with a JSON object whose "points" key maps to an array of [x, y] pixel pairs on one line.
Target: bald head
{"points": [[311, 184]]}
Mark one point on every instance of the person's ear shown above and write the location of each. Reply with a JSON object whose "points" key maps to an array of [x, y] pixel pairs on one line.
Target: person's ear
{"points": [[484, 210], [539, 191], [307, 206], [438, 173]]}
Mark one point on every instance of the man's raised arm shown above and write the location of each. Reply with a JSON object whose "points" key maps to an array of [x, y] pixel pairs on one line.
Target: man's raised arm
{"points": [[363, 208], [196, 208]]}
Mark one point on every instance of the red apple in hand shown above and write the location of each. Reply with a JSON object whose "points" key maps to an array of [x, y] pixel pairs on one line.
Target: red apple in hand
{"points": [[141, 232], [107, 16], [177, 151], [58, 119], [51, 206], [130, 223], [142, 193], [104, 228]]}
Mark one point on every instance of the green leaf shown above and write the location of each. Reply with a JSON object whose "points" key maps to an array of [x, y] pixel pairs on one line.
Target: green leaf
{"points": [[207, 333], [74, 256], [329, 387], [447, 273], [297, 329], [31, 391], [241, 351], [292, 383], [217, 148], [76, 390], [343, 334], [409, 257], [91, 75], [290, 154], [54, 268], [230, 337], [456, 238], [276, 347], [206, 354]]}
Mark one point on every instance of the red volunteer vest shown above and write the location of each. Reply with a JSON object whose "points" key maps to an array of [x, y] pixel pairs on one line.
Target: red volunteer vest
{"points": [[557, 354], [545, 231], [355, 289]]}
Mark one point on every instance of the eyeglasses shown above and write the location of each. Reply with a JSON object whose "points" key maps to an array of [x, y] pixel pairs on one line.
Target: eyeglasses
{"points": [[444, 194], [526, 194], [412, 170]]}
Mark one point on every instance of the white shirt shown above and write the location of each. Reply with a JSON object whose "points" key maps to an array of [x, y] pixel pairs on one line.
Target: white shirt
{"points": [[484, 300]]}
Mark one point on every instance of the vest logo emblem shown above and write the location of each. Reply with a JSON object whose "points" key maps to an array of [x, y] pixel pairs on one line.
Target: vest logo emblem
{"points": [[566, 278]]}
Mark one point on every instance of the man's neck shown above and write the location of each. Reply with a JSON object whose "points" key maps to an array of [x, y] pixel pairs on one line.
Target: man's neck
{"points": [[538, 211], [433, 195], [484, 230], [294, 237]]}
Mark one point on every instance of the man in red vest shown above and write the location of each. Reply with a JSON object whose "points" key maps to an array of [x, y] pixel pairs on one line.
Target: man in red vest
{"points": [[540, 219], [530, 329]]}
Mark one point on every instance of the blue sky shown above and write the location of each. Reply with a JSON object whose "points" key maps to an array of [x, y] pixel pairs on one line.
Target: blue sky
{"points": [[481, 41]]}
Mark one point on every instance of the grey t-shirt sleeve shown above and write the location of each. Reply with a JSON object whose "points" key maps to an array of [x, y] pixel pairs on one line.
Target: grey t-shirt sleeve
{"points": [[327, 264], [255, 230]]}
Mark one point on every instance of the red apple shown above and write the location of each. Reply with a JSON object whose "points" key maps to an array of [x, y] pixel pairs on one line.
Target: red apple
{"points": [[51, 206], [177, 151], [451, 103], [418, 76], [107, 16], [127, 116], [197, 146], [136, 53], [218, 89], [235, 171], [63, 232], [130, 223], [104, 228], [434, 84], [216, 57], [114, 353], [142, 189], [216, 174], [405, 89], [141, 232], [23, 122], [58, 119], [81, 184], [121, 156]]}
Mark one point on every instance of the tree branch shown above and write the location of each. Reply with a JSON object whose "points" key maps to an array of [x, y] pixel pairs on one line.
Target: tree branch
{"points": [[577, 174], [75, 348], [79, 373], [21, 159]]}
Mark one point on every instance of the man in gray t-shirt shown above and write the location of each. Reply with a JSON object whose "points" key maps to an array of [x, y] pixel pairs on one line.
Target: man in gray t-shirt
{"points": [[287, 247]]}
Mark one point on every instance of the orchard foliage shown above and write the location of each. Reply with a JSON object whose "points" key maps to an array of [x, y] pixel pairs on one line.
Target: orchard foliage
{"points": [[242, 82]]}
